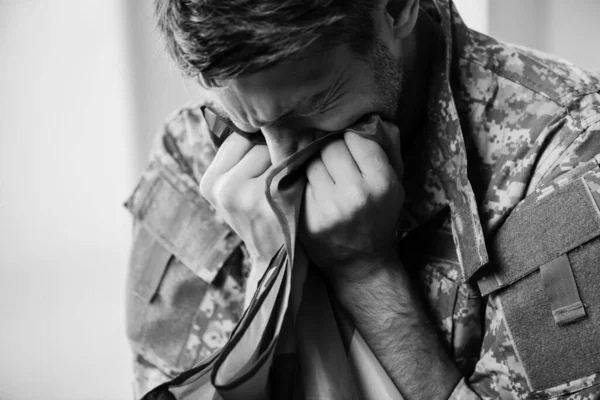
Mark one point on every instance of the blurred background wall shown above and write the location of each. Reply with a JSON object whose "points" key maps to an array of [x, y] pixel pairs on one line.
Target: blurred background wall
{"points": [[84, 86]]}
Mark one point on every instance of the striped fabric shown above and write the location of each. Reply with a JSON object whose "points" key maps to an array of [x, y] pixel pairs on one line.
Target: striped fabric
{"points": [[293, 341]]}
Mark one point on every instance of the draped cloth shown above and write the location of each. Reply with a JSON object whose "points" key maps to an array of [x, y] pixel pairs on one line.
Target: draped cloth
{"points": [[293, 341]]}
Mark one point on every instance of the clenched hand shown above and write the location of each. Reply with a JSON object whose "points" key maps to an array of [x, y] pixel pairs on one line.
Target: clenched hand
{"points": [[351, 206], [234, 184]]}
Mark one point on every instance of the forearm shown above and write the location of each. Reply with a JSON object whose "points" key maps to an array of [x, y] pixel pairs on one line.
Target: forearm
{"points": [[387, 312]]}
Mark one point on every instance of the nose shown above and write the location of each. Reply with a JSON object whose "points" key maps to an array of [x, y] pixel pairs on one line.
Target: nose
{"points": [[285, 141]]}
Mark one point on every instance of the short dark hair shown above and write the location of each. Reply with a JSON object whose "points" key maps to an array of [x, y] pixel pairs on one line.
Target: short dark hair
{"points": [[225, 39]]}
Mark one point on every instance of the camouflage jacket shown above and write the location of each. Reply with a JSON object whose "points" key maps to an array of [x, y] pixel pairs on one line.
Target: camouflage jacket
{"points": [[500, 230]]}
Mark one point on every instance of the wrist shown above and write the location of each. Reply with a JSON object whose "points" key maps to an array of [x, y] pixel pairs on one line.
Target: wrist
{"points": [[387, 311], [365, 272], [263, 255]]}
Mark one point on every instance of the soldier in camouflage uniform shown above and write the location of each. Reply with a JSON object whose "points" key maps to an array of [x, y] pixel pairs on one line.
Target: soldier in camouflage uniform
{"points": [[500, 229]]}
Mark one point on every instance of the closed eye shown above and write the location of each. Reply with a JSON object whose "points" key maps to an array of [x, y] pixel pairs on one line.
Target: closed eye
{"points": [[312, 112]]}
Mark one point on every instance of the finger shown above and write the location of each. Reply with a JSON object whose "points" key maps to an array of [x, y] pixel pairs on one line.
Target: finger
{"points": [[339, 162], [311, 214], [309, 203], [319, 178], [231, 152], [254, 163], [370, 157]]}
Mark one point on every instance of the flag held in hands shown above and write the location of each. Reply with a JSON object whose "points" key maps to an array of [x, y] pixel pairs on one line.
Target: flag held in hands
{"points": [[293, 341]]}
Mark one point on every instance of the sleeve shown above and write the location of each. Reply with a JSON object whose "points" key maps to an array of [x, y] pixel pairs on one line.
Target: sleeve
{"points": [[187, 271], [542, 295]]}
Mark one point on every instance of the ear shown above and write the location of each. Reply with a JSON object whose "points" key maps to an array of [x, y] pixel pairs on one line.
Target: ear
{"points": [[401, 16]]}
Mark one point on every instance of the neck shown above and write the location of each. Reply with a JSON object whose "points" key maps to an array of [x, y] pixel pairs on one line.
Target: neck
{"points": [[420, 48]]}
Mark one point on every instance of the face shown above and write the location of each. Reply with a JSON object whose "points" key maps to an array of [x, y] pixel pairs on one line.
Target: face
{"points": [[298, 101]]}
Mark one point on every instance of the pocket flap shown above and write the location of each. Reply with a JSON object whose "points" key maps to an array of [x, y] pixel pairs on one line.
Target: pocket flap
{"points": [[152, 259], [542, 228], [183, 222]]}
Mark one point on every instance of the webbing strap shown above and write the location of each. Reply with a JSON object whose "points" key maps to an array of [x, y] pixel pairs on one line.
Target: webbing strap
{"points": [[560, 287]]}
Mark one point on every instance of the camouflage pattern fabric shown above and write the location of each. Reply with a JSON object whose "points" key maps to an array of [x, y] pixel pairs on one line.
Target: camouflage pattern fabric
{"points": [[504, 123]]}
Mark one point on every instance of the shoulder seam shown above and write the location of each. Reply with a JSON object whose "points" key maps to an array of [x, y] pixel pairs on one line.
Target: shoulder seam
{"points": [[576, 133], [559, 100]]}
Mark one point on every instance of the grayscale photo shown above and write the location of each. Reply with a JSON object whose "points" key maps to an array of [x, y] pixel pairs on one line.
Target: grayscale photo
{"points": [[300, 199]]}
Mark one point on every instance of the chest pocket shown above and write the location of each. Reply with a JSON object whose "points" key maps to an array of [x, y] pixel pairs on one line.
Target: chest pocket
{"points": [[546, 274], [178, 253]]}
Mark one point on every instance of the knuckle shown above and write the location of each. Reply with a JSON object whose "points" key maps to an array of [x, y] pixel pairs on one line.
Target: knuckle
{"points": [[356, 196], [236, 198], [382, 186], [224, 192]]}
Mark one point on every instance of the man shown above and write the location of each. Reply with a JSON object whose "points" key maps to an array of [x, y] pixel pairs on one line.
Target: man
{"points": [[469, 267]]}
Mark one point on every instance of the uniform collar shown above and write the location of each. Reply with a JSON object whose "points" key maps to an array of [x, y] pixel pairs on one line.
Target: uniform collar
{"points": [[437, 177]]}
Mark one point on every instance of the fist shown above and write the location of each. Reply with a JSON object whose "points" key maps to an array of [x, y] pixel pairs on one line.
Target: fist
{"points": [[352, 203], [234, 184]]}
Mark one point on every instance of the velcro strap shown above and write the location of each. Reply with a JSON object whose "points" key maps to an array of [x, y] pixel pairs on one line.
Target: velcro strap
{"points": [[184, 223], [561, 289], [540, 230]]}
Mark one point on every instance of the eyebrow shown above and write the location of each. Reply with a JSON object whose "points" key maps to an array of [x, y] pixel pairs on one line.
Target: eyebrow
{"points": [[300, 107]]}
